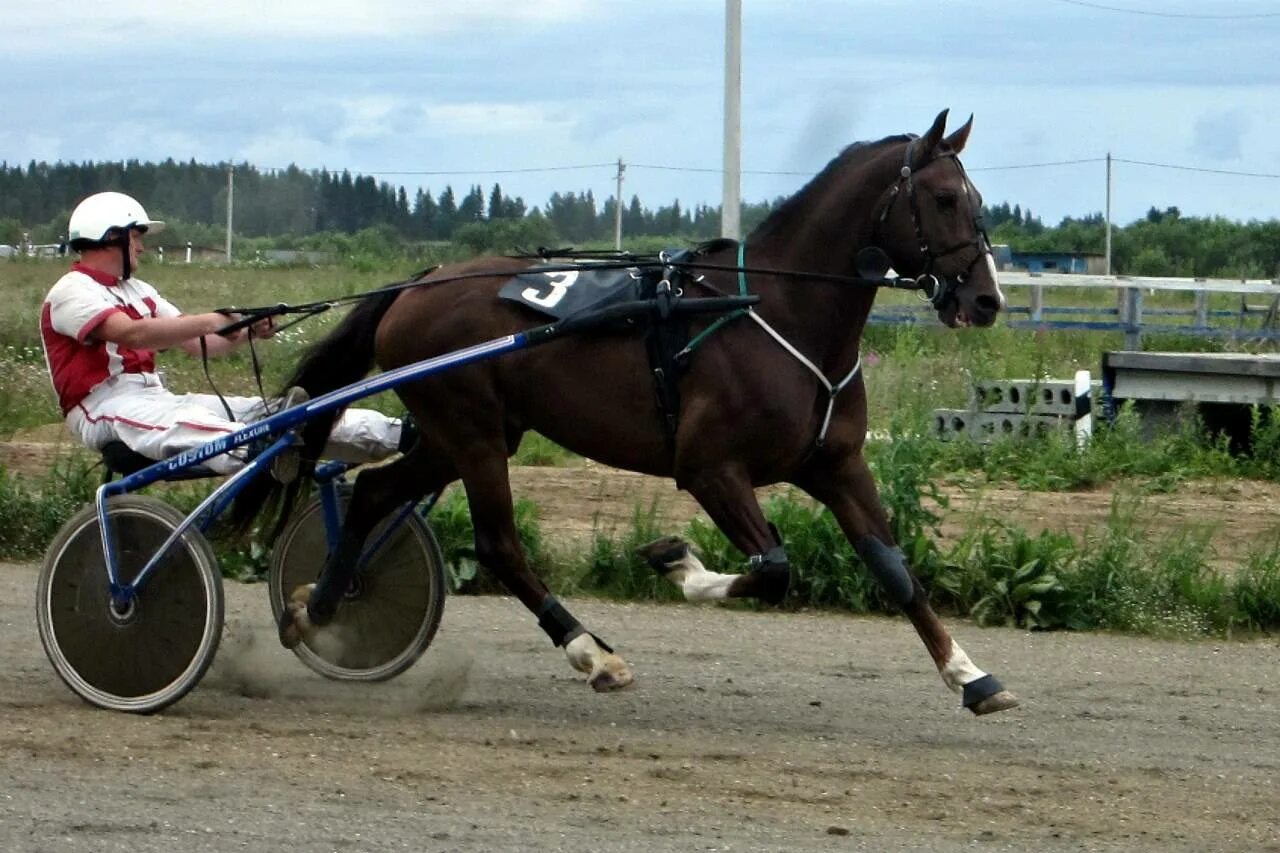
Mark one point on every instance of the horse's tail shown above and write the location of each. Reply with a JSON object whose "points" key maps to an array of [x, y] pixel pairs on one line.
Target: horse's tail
{"points": [[343, 357]]}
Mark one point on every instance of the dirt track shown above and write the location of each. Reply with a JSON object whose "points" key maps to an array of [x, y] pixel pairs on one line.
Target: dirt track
{"points": [[746, 731]]}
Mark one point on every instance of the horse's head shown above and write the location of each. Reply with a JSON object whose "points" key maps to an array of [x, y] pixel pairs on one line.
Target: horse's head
{"points": [[930, 225]]}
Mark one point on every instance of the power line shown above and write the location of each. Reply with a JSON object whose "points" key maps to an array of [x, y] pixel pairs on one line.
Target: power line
{"points": [[1197, 169], [775, 173], [1038, 165], [711, 171], [1148, 13]]}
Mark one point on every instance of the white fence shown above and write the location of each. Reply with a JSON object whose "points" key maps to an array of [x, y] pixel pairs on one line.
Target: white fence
{"points": [[1129, 314]]}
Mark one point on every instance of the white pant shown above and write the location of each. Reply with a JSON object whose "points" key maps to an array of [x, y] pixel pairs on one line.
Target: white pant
{"points": [[137, 409]]}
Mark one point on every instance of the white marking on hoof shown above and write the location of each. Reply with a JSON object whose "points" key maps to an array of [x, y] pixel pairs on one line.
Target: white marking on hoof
{"points": [[605, 670], [959, 670], [295, 623], [696, 581]]}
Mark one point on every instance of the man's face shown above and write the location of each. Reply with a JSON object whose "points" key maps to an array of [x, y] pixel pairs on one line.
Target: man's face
{"points": [[136, 248]]}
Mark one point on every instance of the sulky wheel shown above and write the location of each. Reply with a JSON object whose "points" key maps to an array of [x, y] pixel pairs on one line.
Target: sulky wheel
{"points": [[147, 655], [391, 613]]}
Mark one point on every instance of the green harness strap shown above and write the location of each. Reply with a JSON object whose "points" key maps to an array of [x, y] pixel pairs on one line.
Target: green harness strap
{"points": [[726, 318]]}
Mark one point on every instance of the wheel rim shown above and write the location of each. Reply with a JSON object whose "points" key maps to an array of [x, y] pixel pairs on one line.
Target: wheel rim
{"points": [[151, 651]]}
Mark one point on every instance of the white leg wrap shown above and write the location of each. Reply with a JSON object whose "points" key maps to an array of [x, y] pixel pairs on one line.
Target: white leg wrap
{"points": [[584, 653], [959, 670], [696, 582]]}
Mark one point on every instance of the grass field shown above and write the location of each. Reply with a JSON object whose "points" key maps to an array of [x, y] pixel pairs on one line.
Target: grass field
{"points": [[1123, 580], [26, 398], [910, 370]]}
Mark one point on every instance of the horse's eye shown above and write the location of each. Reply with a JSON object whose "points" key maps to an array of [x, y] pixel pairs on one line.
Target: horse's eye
{"points": [[945, 201]]}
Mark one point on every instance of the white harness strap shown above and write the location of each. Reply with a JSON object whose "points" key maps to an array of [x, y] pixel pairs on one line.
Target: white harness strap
{"points": [[832, 390]]}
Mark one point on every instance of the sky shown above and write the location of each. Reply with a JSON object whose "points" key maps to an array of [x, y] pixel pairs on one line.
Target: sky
{"points": [[542, 96]]}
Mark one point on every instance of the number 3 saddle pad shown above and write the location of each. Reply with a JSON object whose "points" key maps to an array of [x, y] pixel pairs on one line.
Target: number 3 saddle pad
{"points": [[559, 292]]}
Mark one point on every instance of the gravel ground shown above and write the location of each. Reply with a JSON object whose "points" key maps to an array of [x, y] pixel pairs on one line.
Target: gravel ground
{"points": [[745, 731]]}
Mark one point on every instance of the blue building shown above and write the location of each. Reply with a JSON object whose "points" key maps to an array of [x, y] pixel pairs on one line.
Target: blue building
{"points": [[1059, 262]]}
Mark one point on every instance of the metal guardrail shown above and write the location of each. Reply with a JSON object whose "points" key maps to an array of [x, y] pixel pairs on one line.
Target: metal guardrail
{"points": [[1129, 315], [1270, 287]]}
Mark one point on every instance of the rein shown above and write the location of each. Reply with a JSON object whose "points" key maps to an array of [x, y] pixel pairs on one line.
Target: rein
{"points": [[589, 261]]}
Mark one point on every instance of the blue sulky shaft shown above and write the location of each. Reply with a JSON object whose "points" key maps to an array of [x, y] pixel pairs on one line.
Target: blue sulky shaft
{"points": [[281, 423]]}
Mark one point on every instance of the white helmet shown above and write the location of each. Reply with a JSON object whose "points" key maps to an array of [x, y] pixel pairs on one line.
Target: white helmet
{"points": [[101, 212]]}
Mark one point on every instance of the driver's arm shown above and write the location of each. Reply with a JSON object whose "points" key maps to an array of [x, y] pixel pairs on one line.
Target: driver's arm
{"points": [[157, 333]]}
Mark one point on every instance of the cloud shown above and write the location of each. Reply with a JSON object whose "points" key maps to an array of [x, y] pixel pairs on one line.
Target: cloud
{"points": [[497, 119], [1219, 136], [61, 21]]}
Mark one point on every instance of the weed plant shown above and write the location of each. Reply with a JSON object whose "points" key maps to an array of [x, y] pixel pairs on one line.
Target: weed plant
{"points": [[1118, 451], [1124, 578], [450, 520], [612, 568], [1255, 590], [32, 512]]}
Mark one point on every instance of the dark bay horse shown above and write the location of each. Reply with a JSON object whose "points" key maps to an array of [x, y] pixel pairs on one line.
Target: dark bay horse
{"points": [[775, 396]]}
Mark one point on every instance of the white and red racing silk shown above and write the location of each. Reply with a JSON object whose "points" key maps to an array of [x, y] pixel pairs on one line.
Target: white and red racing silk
{"points": [[79, 303]]}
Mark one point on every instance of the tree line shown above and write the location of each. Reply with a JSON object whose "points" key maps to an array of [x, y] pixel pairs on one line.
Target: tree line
{"points": [[297, 208], [294, 203]]}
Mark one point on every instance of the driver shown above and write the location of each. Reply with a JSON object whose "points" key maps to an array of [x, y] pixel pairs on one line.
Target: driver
{"points": [[101, 328]]}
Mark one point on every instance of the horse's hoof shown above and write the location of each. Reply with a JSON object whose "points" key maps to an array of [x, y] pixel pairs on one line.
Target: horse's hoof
{"points": [[295, 621], [661, 553], [612, 674], [1002, 701]]}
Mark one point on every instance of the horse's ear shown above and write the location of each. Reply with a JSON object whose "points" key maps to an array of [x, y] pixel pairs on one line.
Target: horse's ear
{"points": [[923, 151], [957, 140]]}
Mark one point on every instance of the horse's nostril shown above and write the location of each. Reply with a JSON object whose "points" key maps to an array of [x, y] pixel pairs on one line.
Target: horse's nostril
{"points": [[987, 303]]}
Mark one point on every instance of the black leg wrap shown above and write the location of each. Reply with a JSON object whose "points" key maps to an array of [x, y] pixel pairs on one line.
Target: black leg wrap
{"points": [[889, 565], [770, 576], [320, 612], [559, 623], [976, 691], [329, 589]]}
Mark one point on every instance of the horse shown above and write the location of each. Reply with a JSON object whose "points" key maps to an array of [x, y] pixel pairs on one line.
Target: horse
{"points": [[778, 400]]}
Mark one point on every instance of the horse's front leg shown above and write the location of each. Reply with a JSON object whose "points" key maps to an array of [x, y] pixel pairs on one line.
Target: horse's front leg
{"points": [[499, 550], [727, 496], [849, 491]]}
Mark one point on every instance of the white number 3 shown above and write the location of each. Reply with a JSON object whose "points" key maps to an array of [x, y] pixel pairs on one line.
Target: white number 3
{"points": [[560, 283]]}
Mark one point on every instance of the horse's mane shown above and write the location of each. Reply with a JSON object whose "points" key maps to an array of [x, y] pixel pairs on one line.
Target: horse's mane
{"points": [[780, 219]]}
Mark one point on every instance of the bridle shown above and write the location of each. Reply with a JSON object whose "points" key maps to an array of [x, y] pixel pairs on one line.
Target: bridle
{"points": [[938, 290]]}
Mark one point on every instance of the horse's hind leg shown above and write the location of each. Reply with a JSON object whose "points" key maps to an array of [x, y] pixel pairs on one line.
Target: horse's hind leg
{"points": [[498, 549], [849, 491], [378, 491], [727, 496]]}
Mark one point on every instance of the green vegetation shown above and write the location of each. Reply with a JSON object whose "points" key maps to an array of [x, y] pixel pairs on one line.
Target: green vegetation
{"points": [[1123, 578]]}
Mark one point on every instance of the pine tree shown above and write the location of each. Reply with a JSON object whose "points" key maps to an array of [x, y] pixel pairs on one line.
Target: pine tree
{"points": [[497, 207]]}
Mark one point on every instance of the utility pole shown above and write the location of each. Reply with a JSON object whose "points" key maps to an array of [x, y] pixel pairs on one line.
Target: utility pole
{"points": [[231, 194], [730, 205], [1108, 213], [617, 210]]}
